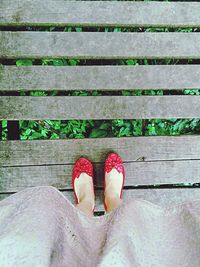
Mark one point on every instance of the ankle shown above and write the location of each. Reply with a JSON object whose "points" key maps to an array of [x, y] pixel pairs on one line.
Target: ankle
{"points": [[88, 200], [111, 195], [112, 201], [86, 207]]}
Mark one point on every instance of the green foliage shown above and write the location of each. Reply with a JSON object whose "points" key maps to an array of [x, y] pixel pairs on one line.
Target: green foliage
{"points": [[24, 62], [4, 130], [96, 132], [122, 128], [51, 129], [172, 126], [153, 92], [60, 62], [135, 92], [191, 92]]}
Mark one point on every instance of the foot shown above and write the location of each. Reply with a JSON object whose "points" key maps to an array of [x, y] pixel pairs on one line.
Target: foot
{"points": [[82, 183], [114, 181], [84, 189]]}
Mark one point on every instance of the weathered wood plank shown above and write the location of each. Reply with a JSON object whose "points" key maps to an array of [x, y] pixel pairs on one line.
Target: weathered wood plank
{"points": [[1, 129], [99, 45], [99, 13], [160, 197], [137, 173], [141, 148], [98, 107], [99, 77]]}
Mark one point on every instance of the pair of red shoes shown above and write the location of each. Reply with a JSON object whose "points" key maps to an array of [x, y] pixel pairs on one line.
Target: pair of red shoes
{"points": [[84, 165]]}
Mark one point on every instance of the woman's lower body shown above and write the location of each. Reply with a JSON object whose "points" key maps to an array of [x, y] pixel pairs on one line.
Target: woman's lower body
{"points": [[40, 227]]}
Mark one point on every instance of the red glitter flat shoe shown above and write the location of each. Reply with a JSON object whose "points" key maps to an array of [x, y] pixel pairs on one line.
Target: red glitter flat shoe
{"points": [[113, 161], [82, 165]]}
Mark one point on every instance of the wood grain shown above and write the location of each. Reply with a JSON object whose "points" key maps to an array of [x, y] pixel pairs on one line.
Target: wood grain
{"points": [[137, 173], [98, 107], [99, 13], [46, 78], [99, 45], [66, 152]]}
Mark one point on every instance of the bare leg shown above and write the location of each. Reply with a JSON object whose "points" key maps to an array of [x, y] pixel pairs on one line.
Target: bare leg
{"points": [[85, 194], [112, 202], [86, 207], [114, 182]]}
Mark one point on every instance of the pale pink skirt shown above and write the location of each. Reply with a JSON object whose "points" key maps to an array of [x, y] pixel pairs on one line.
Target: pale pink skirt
{"points": [[39, 227]]}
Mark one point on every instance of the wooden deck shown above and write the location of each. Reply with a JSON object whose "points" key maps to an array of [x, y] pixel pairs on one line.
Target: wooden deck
{"points": [[148, 160]]}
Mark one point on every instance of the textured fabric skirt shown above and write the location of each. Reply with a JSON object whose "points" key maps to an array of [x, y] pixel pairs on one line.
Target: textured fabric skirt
{"points": [[39, 227]]}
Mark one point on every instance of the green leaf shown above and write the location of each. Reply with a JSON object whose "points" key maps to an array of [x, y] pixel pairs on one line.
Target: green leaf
{"points": [[98, 133], [67, 29], [124, 132], [35, 135], [105, 126], [78, 29], [24, 62], [4, 124], [126, 93], [117, 29], [53, 62], [24, 137], [73, 62], [38, 93], [191, 92], [58, 62], [44, 132], [28, 131], [131, 62], [54, 136], [51, 29]]}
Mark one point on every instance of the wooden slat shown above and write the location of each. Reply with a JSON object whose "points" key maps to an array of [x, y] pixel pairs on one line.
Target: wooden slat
{"points": [[141, 148], [1, 129], [98, 107], [137, 173], [103, 13], [99, 77], [161, 197], [99, 45]]}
